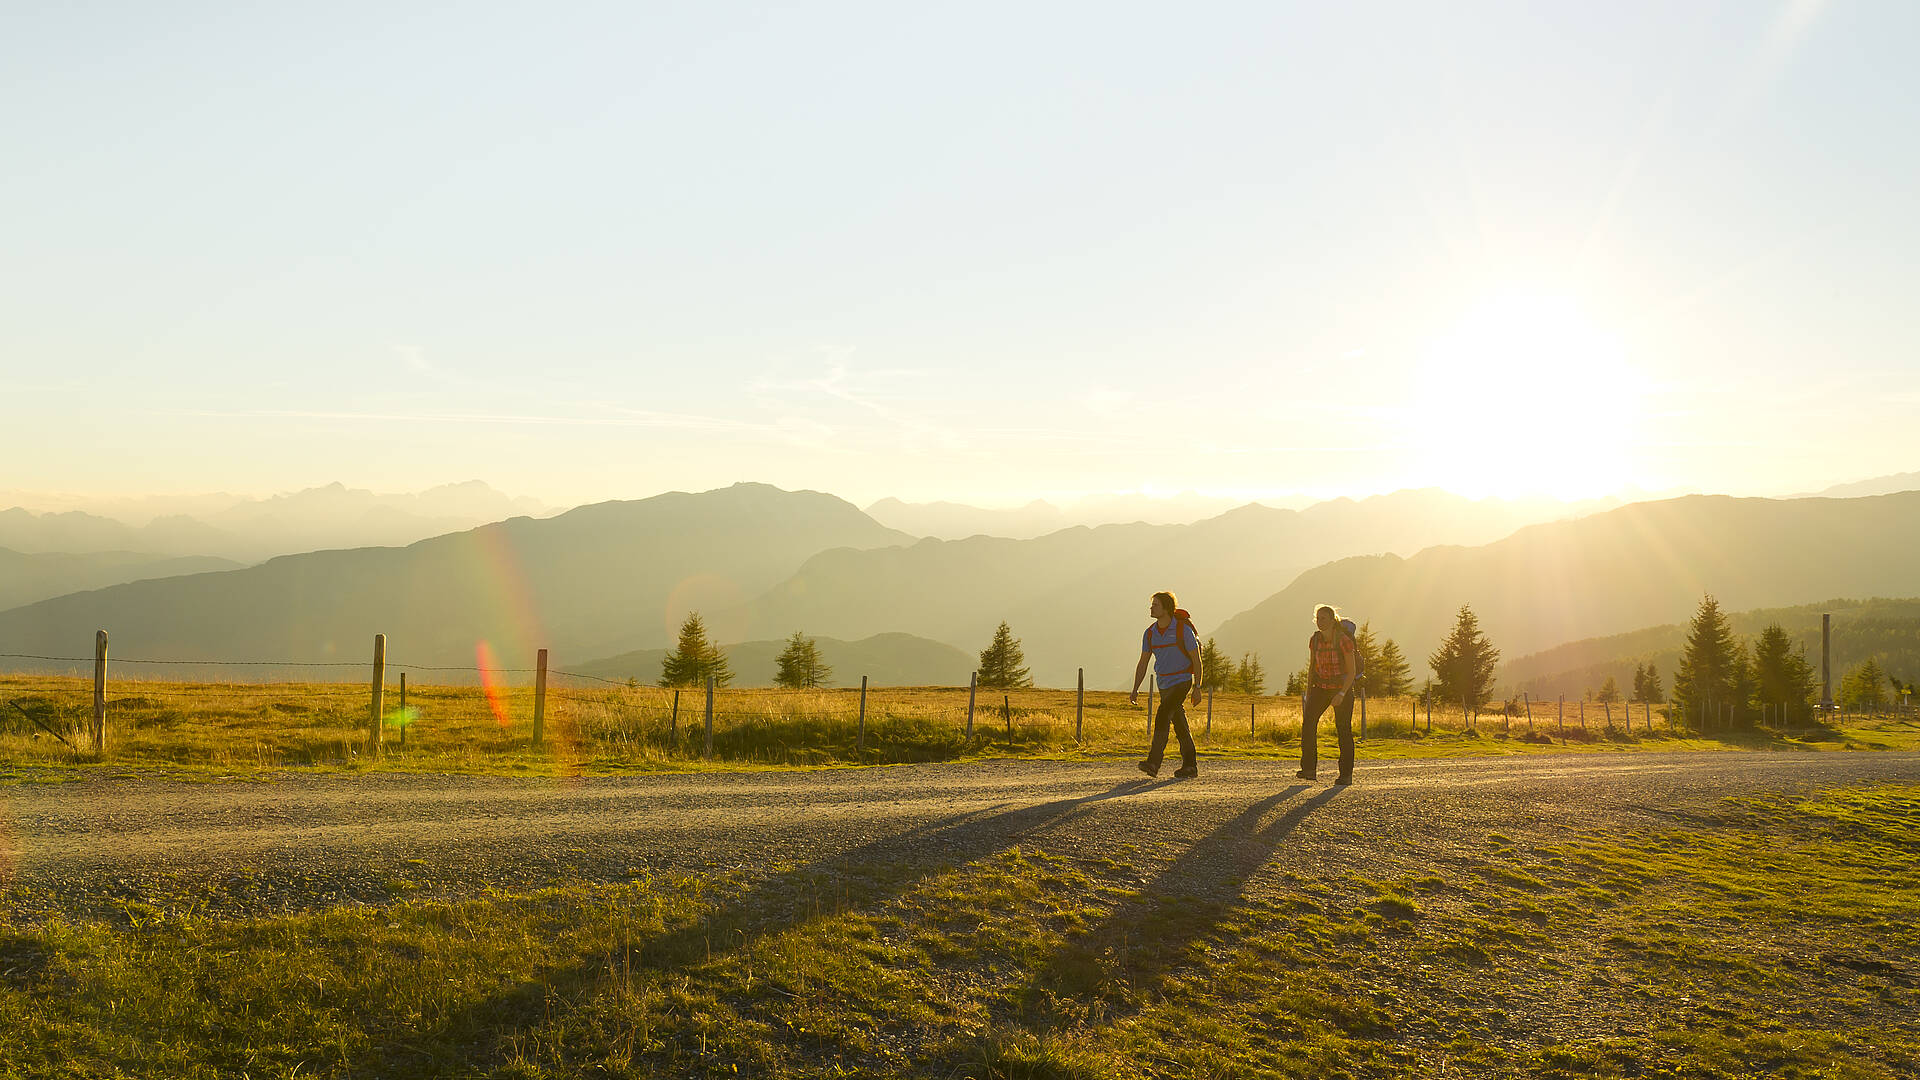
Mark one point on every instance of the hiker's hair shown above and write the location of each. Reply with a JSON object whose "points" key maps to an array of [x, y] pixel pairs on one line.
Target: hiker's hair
{"points": [[1328, 610], [1167, 599]]}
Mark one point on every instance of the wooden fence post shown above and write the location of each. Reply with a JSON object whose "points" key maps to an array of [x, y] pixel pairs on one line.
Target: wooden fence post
{"points": [[1608, 706], [1006, 713], [1528, 702], [673, 723], [860, 739], [1466, 712], [379, 694], [1151, 683], [1209, 712], [540, 697], [405, 720], [1080, 704], [1429, 696], [99, 733], [709, 751], [1253, 711], [973, 690], [1363, 712], [403, 690], [1583, 715]]}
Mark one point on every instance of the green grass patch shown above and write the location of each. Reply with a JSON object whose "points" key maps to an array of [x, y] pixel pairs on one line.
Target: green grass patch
{"points": [[1778, 938]]}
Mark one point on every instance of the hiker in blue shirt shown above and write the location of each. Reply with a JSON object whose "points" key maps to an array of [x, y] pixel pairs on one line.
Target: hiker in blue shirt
{"points": [[1174, 648]]}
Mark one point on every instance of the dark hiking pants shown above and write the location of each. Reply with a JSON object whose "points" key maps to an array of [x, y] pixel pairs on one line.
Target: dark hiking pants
{"points": [[1318, 698], [1172, 713]]}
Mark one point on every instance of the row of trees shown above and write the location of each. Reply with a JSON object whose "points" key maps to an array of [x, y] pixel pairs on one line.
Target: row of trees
{"points": [[1718, 669], [694, 658]]}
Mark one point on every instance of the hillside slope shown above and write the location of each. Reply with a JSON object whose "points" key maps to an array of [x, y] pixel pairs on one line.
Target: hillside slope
{"points": [[1641, 564], [593, 581]]}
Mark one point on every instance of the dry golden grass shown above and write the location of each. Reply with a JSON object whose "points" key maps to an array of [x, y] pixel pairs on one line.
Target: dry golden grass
{"points": [[607, 728]]}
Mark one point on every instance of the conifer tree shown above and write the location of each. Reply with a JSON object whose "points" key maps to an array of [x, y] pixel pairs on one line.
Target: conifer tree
{"points": [[799, 667], [1654, 691], [1003, 665], [1367, 653], [1781, 674], [1216, 671], [1389, 675], [1250, 677], [1297, 683], [1639, 683], [694, 658], [1707, 674], [1609, 692], [1864, 687], [1463, 665]]}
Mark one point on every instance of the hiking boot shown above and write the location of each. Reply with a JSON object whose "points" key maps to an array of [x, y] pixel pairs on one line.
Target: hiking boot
{"points": [[1187, 772], [1304, 775], [1345, 780], [1150, 770]]}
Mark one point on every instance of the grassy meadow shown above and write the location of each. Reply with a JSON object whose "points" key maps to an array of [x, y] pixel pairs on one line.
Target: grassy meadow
{"points": [[1772, 938], [231, 727]]}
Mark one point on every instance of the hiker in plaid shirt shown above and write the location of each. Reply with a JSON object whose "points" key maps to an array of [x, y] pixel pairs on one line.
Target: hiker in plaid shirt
{"points": [[1332, 663]]}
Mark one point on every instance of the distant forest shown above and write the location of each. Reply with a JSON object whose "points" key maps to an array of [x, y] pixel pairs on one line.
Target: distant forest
{"points": [[1885, 631]]}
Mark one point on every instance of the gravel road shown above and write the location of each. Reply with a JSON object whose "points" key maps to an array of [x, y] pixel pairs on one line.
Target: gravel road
{"points": [[298, 841]]}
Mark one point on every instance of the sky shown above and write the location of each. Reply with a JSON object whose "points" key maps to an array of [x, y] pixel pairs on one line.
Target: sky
{"points": [[984, 252]]}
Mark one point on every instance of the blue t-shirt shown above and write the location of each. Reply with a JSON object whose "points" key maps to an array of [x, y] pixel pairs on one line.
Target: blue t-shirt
{"points": [[1170, 666]]}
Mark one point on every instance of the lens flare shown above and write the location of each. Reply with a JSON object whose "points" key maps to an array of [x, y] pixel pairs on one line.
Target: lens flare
{"points": [[490, 683]]}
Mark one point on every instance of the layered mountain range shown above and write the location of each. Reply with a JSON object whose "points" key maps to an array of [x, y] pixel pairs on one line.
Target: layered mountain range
{"points": [[609, 583]]}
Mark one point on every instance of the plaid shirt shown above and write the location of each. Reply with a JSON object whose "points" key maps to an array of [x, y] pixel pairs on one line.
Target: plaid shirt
{"points": [[1327, 672]]}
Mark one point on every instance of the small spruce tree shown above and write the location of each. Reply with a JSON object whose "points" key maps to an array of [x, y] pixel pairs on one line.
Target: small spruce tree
{"points": [[1390, 675], [1463, 665], [799, 667], [1706, 675], [1297, 683], [1216, 671], [1003, 666], [1864, 687], [693, 658], [1250, 677], [1609, 692], [1782, 676]]}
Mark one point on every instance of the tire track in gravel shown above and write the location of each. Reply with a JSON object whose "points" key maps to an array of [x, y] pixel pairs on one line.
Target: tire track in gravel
{"points": [[297, 841]]}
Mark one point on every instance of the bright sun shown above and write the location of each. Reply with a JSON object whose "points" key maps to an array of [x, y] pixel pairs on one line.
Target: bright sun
{"points": [[1525, 395]]}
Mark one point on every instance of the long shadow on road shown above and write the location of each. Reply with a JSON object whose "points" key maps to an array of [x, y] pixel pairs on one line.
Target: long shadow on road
{"points": [[863, 875], [1126, 957]]}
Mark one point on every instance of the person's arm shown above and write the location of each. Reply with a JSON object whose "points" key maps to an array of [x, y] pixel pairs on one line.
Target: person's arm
{"points": [[1139, 672], [1349, 667]]}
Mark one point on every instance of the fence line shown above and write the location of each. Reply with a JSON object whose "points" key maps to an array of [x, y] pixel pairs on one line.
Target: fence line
{"points": [[637, 702]]}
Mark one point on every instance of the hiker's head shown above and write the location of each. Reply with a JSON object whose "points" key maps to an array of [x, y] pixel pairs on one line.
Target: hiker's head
{"points": [[1164, 605], [1326, 618]]}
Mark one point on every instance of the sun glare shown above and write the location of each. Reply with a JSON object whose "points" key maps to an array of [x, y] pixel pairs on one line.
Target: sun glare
{"points": [[1525, 395]]}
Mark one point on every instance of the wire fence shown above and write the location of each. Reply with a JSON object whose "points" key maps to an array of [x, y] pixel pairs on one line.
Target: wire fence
{"points": [[171, 707]]}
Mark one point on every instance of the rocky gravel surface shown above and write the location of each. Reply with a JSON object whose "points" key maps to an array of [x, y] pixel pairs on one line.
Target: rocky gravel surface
{"points": [[117, 845]]}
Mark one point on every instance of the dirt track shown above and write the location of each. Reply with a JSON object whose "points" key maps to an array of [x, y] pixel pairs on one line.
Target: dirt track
{"points": [[301, 841]]}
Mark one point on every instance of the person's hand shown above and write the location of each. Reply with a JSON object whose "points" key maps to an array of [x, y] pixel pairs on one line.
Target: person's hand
{"points": [[1133, 697]]}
